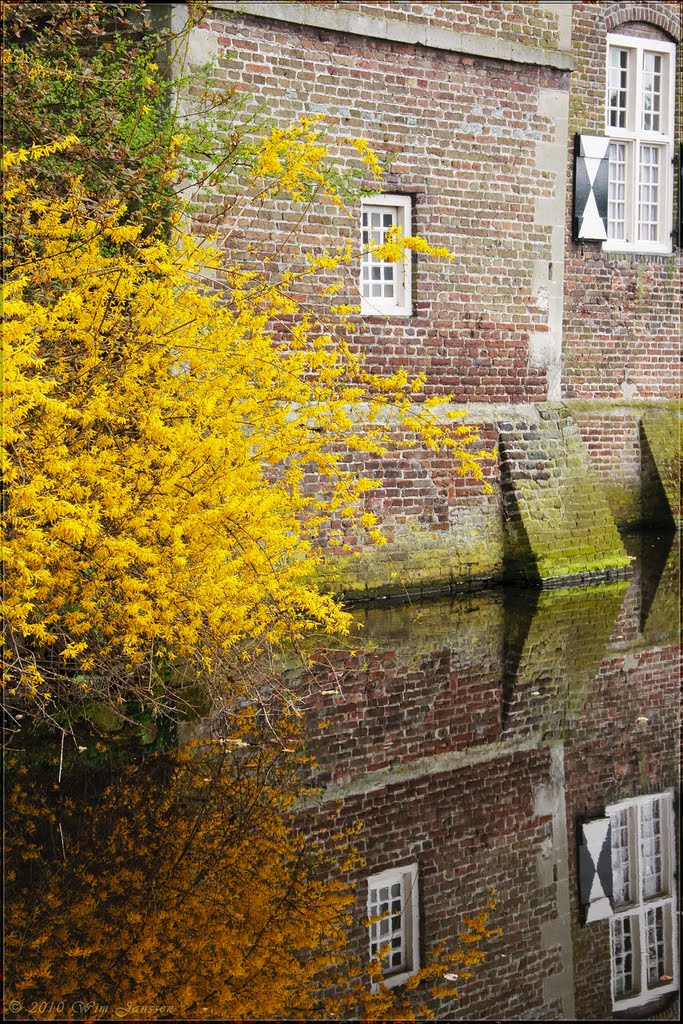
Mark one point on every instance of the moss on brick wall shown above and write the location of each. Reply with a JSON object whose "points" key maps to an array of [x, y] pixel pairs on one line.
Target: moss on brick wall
{"points": [[661, 447], [557, 520]]}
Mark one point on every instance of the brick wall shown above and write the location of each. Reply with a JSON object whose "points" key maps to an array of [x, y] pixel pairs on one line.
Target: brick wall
{"points": [[461, 136], [622, 311], [557, 521], [518, 22], [441, 528], [466, 103]]}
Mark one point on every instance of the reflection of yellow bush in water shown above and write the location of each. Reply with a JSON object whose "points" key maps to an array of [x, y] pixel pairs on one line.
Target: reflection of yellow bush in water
{"points": [[187, 887]]}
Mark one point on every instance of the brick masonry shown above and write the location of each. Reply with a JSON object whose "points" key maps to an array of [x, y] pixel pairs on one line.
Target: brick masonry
{"points": [[473, 738], [473, 108], [557, 520], [622, 325]]}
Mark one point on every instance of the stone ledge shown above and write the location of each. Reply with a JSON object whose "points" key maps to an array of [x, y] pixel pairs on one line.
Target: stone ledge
{"points": [[338, 20]]}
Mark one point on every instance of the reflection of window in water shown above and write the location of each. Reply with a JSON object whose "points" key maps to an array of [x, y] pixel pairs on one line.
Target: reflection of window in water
{"points": [[643, 927], [393, 903]]}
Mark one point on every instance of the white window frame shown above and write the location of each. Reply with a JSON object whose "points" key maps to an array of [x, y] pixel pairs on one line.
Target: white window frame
{"points": [[634, 137], [401, 304], [638, 906], [407, 877]]}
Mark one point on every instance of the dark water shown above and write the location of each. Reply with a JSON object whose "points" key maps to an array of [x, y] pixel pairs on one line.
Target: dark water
{"points": [[475, 740]]}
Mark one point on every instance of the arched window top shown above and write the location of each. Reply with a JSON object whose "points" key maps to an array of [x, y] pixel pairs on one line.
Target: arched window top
{"points": [[643, 30], [644, 16]]}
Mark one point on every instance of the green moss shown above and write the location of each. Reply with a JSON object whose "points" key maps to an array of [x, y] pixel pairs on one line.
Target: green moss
{"points": [[103, 718], [608, 407], [661, 447], [419, 560], [558, 645], [565, 527], [623, 499], [471, 627], [661, 610]]}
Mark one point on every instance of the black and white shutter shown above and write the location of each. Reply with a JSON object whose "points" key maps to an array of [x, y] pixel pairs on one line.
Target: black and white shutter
{"points": [[595, 869], [591, 179]]}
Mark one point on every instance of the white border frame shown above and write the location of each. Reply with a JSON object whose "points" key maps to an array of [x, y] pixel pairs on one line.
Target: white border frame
{"points": [[403, 305], [412, 909], [639, 907], [637, 137]]}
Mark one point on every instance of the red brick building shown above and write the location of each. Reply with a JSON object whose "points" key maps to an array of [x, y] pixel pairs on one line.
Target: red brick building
{"points": [[556, 328], [540, 142]]}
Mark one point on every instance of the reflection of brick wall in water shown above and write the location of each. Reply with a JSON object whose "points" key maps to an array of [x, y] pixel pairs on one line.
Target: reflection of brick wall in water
{"points": [[468, 829], [428, 684], [576, 672], [613, 756], [451, 677]]}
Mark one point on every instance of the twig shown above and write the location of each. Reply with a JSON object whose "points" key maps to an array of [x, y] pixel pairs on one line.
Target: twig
{"points": [[61, 758]]}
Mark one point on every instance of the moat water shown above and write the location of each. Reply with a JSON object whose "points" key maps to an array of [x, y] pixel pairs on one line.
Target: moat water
{"points": [[471, 741], [475, 737]]}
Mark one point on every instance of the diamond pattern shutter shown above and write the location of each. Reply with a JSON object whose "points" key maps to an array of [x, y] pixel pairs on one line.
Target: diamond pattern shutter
{"points": [[595, 869], [591, 187]]}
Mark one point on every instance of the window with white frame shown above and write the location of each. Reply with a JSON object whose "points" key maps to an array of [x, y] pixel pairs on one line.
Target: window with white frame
{"points": [[393, 913], [643, 926], [385, 287], [640, 124]]}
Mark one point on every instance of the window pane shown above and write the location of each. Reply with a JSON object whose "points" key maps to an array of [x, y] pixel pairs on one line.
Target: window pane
{"points": [[617, 87], [648, 196], [654, 945], [616, 203], [651, 840], [621, 872], [622, 956], [652, 92], [390, 930], [379, 278]]}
